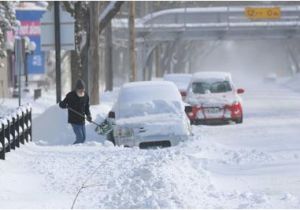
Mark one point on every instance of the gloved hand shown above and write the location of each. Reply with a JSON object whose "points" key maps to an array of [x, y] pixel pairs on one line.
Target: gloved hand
{"points": [[89, 118], [63, 105]]}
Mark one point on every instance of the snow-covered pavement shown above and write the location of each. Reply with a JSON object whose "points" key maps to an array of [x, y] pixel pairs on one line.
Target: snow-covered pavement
{"points": [[252, 165]]}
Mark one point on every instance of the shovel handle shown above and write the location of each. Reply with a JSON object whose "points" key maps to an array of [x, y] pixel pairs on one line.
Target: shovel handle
{"points": [[81, 115]]}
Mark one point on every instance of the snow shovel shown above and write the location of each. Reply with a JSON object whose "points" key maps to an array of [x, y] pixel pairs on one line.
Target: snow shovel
{"points": [[103, 129]]}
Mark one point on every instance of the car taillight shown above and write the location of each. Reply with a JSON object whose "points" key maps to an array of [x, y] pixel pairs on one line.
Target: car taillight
{"points": [[234, 108]]}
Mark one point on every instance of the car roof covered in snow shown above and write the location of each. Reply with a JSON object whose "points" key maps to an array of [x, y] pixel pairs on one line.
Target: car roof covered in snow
{"points": [[177, 75], [148, 90], [212, 75]]}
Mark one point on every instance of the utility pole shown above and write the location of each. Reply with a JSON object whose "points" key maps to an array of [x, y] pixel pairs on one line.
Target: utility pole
{"points": [[132, 55], [93, 56], [57, 51], [108, 57]]}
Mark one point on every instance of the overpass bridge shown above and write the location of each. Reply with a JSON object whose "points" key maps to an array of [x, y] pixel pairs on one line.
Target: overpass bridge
{"points": [[206, 24]]}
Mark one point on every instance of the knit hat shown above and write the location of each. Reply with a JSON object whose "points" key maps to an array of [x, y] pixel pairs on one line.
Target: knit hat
{"points": [[80, 85]]}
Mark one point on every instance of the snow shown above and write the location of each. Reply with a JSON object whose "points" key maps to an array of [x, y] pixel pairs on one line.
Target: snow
{"points": [[211, 75], [151, 89], [32, 6], [146, 98], [158, 124], [249, 165]]}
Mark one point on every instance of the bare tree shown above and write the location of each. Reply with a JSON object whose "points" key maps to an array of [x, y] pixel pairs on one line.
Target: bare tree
{"points": [[93, 56], [83, 57]]}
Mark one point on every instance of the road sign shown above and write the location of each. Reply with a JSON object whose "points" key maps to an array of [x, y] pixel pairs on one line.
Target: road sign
{"points": [[67, 37], [259, 13]]}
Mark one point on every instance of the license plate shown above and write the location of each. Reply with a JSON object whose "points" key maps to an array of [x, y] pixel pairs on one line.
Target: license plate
{"points": [[212, 110]]}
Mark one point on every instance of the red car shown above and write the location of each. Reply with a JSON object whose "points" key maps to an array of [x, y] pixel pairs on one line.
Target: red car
{"points": [[214, 99]]}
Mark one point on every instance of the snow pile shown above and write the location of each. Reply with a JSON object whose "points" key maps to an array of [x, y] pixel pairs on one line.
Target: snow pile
{"points": [[52, 127], [145, 98], [147, 179], [4, 111]]}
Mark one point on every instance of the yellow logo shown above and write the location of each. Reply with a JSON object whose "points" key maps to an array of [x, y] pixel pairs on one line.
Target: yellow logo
{"points": [[262, 13]]}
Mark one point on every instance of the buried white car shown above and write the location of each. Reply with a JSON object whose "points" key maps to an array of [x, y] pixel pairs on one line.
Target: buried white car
{"points": [[149, 114]]}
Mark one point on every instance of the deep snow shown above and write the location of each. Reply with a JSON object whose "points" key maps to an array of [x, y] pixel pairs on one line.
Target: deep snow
{"points": [[252, 165]]}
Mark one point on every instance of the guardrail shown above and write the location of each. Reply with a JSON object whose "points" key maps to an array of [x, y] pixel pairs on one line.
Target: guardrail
{"points": [[15, 129]]}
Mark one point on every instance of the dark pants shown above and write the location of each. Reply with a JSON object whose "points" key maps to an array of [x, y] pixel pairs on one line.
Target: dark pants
{"points": [[79, 130]]}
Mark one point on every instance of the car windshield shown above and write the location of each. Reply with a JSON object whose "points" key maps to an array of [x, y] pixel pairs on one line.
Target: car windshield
{"points": [[151, 99], [146, 108], [211, 87]]}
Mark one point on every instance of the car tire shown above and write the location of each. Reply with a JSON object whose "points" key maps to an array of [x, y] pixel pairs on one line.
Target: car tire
{"points": [[239, 120]]}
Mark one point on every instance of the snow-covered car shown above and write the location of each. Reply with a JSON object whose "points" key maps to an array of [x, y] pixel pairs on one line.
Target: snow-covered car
{"points": [[214, 98], [182, 82], [149, 114]]}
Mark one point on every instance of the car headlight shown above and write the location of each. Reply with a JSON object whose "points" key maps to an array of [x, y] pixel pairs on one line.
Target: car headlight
{"points": [[123, 132]]}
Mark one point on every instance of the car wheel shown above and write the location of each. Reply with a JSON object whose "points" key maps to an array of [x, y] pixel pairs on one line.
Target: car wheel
{"points": [[239, 120]]}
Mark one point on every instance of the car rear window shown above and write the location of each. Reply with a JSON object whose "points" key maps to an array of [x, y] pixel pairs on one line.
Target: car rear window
{"points": [[211, 87]]}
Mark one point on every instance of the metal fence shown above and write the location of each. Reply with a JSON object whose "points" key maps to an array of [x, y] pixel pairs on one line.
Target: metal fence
{"points": [[15, 129]]}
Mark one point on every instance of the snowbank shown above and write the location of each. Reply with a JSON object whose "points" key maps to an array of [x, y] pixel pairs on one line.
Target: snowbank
{"points": [[52, 128]]}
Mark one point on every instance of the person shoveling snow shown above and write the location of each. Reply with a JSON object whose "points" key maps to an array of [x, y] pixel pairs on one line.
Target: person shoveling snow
{"points": [[77, 103]]}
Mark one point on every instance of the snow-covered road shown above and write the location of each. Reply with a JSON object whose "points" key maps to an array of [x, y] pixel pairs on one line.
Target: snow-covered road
{"points": [[252, 165]]}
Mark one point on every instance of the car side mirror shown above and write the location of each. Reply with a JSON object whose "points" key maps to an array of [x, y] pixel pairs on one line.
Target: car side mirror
{"points": [[240, 91], [188, 109], [111, 115]]}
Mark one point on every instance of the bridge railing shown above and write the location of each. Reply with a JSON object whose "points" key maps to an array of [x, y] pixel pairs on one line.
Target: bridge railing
{"points": [[211, 18], [15, 129]]}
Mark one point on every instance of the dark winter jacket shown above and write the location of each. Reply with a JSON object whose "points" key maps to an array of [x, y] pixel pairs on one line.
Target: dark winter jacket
{"points": [[79, 104]]}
